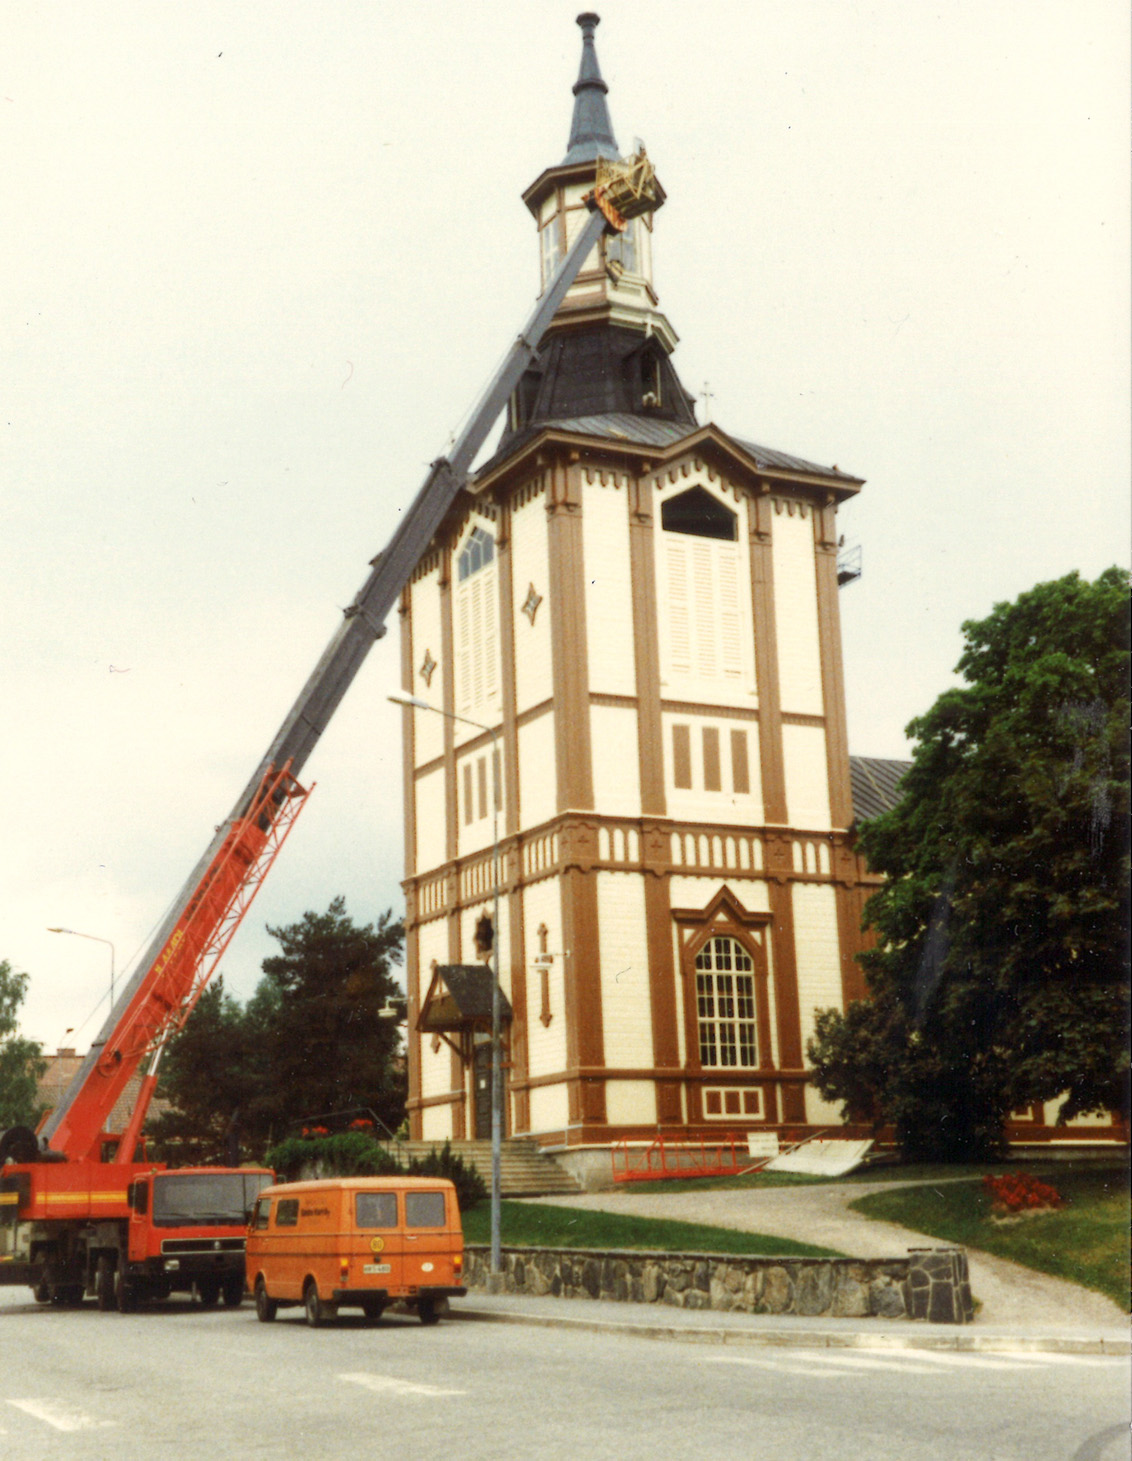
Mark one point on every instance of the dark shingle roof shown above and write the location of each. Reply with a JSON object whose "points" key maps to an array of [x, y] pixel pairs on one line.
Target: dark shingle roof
{"points": [[875, 784], [650, 431]]}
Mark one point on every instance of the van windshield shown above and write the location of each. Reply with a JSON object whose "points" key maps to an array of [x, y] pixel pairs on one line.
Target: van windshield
{"points": [[375, 1209], [205, 1199]]}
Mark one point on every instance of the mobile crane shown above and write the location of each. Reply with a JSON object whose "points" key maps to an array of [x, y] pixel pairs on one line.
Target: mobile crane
{"points": [[78, 1214]]}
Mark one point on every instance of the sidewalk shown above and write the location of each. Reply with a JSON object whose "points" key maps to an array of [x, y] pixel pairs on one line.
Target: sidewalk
{"points": [[711, 1326], [1019, 1299]]}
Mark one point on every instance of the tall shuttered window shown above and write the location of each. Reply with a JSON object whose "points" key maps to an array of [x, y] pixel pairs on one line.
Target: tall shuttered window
{"points": [[476, 616], [702, 572], [725, 1004]]}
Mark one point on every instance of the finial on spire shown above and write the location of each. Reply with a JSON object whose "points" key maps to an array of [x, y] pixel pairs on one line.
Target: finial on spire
{"points": [[591, 131]]}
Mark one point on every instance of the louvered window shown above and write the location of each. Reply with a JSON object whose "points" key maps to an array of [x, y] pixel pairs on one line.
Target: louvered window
{"points": [[704, 619]]}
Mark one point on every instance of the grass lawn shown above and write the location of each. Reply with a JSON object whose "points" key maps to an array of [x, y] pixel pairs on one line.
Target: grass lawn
{"points": [[539, 1225], [1086, 1241]]}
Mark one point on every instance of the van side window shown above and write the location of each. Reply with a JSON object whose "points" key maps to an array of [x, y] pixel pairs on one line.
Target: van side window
{"points": [[262, 1212], [424, 1209], [287, 1212], [375, 1209]]}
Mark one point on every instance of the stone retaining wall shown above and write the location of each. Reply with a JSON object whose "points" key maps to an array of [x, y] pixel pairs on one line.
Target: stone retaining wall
{"points": [[930, 1283]]}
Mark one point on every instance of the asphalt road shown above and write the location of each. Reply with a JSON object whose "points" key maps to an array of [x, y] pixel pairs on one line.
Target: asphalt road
{"points": [[184, 1382]]}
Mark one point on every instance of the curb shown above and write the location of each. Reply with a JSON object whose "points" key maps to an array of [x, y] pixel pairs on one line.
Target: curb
{"points": [[963, 1342]]}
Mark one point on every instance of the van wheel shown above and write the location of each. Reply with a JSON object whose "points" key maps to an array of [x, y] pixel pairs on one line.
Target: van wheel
{"points": [[373, 1308], [232, 1292], [104, 1284], [265, 1308], [428, 1311], [317, 1311], [208, 1292]]}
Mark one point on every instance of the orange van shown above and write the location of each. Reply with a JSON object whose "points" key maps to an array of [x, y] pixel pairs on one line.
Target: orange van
{"points": [[355, 1242]]}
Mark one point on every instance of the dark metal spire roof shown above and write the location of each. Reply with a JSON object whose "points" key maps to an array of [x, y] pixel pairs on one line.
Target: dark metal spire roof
{"points": [[591, 131]]}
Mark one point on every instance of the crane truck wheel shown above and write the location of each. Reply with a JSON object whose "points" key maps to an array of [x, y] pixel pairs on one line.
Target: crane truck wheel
{"points": [[232, 1292], [104, 1285], [126, 1292], [208, 1292], [265, 1308]]}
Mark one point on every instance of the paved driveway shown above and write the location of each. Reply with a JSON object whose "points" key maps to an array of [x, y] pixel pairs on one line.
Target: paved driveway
{"points": [[820, 1214]]}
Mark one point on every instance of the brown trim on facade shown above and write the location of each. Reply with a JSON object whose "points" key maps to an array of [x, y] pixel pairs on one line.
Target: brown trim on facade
{"points": [[702, 708], [771, 761], [712, 1076], [613, 702], [850, 941], [569, 660], [446, 1098], [534, 712], [408, 739], [519, 1021], [788, 1019], [662, 999], [793, 717], [646, 646], [832, 671], [448, 701], [585, 1040]]}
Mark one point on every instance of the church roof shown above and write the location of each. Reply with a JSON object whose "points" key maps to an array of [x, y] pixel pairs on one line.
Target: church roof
{"points": [[646, 431], [875, 785], [591, 131]]}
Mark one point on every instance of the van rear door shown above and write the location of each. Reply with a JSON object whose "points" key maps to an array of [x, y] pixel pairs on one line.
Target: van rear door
{"points": [[375, 1219], [430, 1241]]}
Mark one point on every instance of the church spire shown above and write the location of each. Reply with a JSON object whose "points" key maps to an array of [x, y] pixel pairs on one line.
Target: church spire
{"points": [[591, 131]]}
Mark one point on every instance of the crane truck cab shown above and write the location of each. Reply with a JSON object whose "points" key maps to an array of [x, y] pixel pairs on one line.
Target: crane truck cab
{"points": [[127, 1233], [360, 1242]]}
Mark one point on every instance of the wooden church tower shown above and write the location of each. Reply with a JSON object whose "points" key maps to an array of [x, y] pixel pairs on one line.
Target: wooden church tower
{"points": [[635, 618]]}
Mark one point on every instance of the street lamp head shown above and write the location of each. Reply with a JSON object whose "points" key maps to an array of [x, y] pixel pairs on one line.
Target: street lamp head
{"points": [[402, 697]]}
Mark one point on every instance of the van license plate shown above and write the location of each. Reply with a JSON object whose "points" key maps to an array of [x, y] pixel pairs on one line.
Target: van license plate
{"points": [[376, 1268]]}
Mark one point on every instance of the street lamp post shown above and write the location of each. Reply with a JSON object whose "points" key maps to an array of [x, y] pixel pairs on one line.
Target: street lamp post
{"points": [[401, 697], [94, 939]]}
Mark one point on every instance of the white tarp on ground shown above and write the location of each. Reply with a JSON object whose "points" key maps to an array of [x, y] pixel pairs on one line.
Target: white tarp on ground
{"points": [[822, 1158]]}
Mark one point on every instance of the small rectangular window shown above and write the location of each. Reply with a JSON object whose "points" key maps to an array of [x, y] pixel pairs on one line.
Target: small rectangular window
{"points": [[740, 770], [712, 781], [262, 1213], [375, 1209], [469, 809], [424, 1209], [481, 776], [496, 781], [682, 757], [287, 1212]]}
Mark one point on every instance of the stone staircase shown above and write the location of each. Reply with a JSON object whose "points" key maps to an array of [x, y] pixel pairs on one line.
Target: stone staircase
{"points": [[524, 1170]]}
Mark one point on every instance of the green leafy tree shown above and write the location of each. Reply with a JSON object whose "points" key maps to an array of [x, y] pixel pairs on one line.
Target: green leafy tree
{"points": [[21, 1062], [308, 1042], [1000, 974], [326, 1045], [211, 1075]]}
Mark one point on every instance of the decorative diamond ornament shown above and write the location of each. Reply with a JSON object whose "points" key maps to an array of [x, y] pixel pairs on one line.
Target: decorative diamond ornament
{"points": [[530, 606], [428, 667]]}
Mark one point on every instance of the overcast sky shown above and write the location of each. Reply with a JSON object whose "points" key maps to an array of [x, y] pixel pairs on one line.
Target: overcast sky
{"points": [[258, 259]]}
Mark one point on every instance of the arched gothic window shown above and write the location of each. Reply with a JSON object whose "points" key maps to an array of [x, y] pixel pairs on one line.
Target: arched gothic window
{"points": [[477, 553], [476, 624], [725, 1005]]}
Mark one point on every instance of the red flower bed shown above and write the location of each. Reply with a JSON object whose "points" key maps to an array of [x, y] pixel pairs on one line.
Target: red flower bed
{"points": [[1018, 1192]]}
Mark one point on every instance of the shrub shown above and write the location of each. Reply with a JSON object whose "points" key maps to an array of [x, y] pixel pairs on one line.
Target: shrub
{"points": [[356, 1154]]}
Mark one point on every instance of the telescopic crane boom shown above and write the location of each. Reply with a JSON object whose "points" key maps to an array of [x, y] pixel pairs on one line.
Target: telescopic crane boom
{"points": [[173, 970]]}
